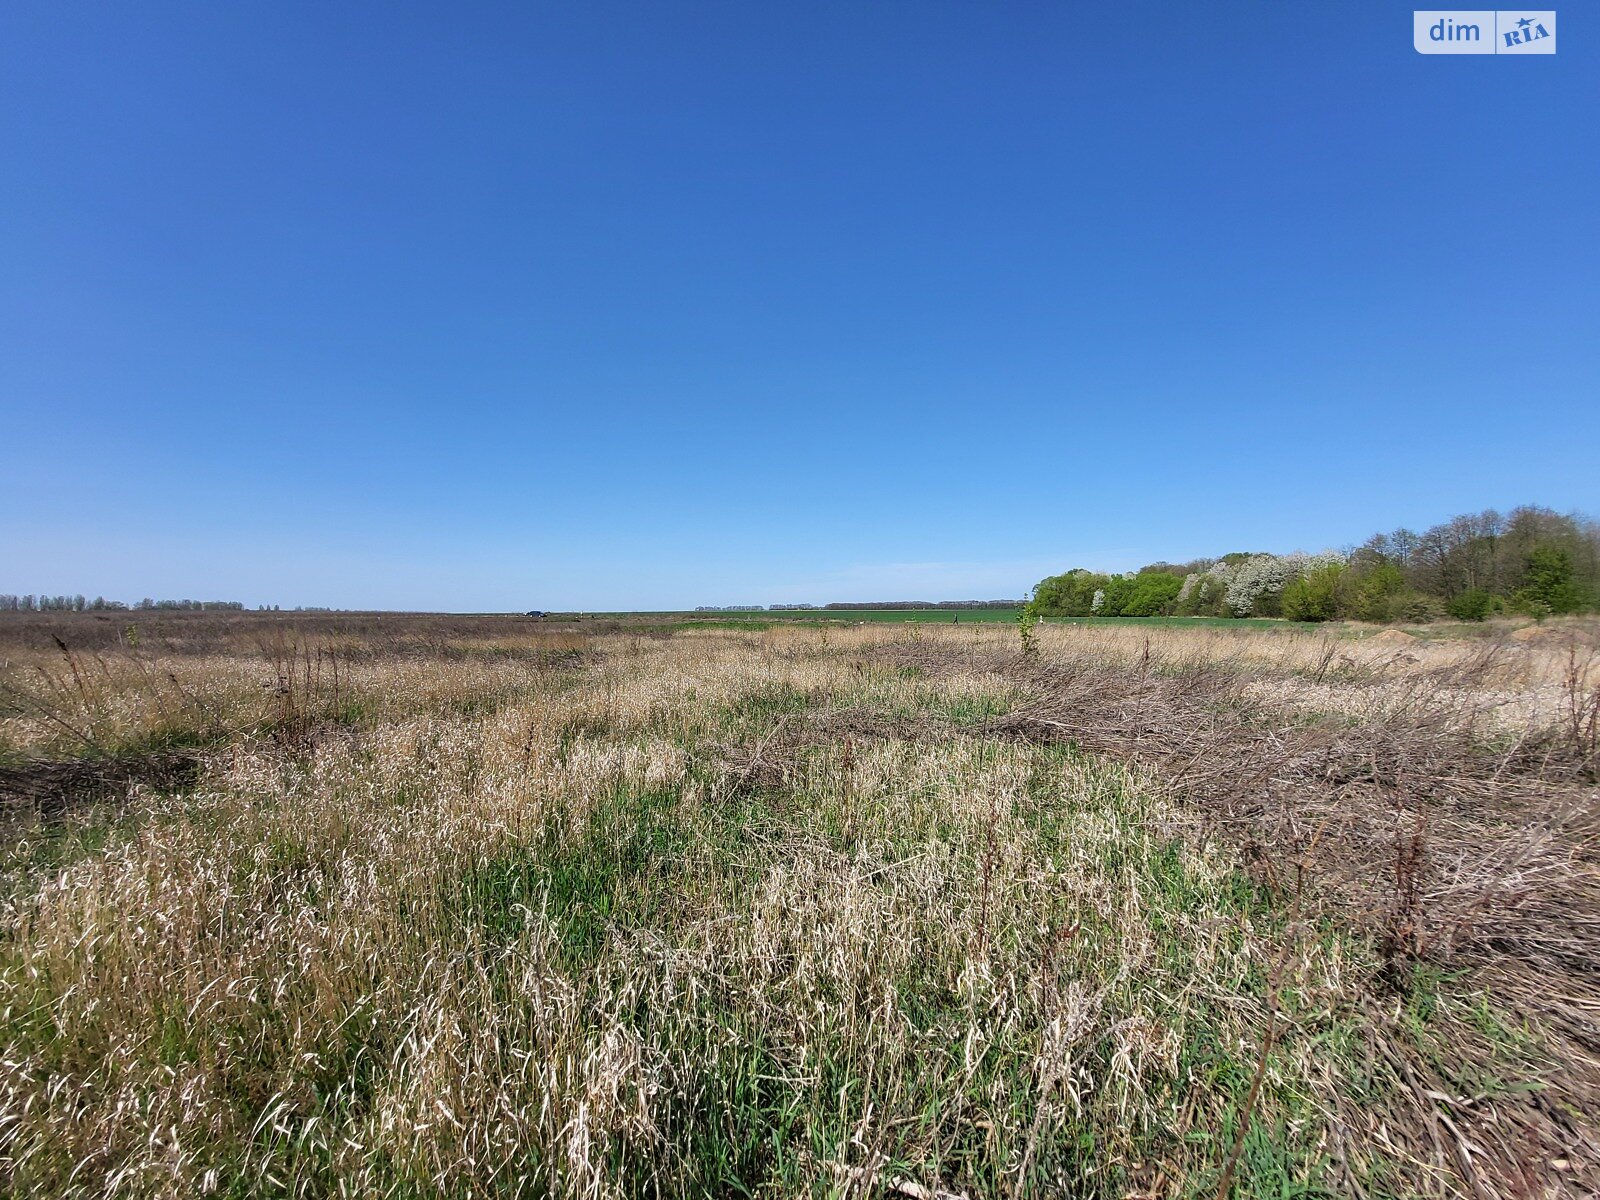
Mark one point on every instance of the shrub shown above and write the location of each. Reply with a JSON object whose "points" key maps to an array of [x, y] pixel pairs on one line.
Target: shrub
{"points": [[1314, 596], [1371, 598], [1416, 608], [1474, 604]]}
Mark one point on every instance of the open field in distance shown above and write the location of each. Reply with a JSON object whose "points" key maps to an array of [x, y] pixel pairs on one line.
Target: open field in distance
{"points": [[387, 905], [1489, 629], [851, 616]]}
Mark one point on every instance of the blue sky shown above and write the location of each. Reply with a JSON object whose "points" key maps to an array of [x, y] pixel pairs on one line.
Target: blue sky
{"points": [[485, 307]]}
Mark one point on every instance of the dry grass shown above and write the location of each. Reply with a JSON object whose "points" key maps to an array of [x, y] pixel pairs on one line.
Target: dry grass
{"points": [[458, 909]]}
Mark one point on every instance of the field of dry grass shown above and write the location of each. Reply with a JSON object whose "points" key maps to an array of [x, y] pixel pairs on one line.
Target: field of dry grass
{"points": [[480, 907]]}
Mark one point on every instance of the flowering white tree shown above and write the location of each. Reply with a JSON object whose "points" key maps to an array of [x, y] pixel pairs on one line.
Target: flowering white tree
{"points": [[1254, 578], [1201, 588], [1267, 574], [1219, 573]]}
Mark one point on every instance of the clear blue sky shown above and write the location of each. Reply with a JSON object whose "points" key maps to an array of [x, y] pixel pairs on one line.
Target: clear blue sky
{"points": [[597, 305]]}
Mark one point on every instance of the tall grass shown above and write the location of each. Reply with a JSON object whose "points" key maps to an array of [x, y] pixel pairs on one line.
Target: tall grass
{"points": [[760, 913]]}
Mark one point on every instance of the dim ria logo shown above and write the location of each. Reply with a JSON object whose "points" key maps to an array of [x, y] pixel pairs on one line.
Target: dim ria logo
{"points": [[1484, 32]]}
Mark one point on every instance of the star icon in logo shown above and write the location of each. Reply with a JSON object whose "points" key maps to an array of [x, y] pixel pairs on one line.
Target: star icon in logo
{"points": [[1525, 22]]}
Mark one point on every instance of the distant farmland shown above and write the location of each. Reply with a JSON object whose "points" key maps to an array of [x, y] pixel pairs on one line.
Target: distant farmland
{"points": [[932, 616], [851, 616]]}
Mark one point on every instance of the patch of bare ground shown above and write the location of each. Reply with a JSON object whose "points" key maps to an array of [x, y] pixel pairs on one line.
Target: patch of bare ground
{"points": [[47, 791], [1420, 818]]}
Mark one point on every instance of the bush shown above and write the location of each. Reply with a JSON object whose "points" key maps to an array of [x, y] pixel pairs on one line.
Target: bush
{"points": [[1472, 605], [1314, 596], [1415, 607], [1370, 596]]}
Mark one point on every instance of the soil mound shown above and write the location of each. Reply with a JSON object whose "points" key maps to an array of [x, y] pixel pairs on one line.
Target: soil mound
{"points": [[1392, 637], [1538, 633]]}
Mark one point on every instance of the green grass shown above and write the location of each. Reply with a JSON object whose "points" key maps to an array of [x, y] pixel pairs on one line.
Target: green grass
{"points": [[1188, 622]]}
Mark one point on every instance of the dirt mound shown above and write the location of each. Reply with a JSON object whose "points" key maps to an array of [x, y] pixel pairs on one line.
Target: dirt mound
{"points": [[1539, 633], [1392, 637]]}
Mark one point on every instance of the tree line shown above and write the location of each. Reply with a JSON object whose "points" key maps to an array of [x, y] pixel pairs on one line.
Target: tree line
{"points": [[1530, 561], [10, 603]]}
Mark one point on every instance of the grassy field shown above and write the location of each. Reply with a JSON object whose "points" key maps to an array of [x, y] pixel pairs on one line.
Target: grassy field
{"points": [[425, 906], [852, 616], [766, 620]]}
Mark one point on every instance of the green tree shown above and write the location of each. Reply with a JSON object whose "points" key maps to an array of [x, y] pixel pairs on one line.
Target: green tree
{"points": [[1314, 596], [1549, 585], [1370, 596], [1070, 594], [1118, 589], [1474, 604], [1151, 593]]}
